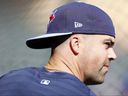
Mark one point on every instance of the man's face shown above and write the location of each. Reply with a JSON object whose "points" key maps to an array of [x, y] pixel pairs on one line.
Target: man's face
{"points": [[95, 56]]}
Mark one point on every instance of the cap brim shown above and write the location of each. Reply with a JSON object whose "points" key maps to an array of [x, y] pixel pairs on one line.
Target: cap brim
{"points": [[44, 41]]}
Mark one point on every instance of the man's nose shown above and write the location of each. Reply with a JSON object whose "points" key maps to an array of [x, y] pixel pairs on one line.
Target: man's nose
{"points": [[111, 54]]}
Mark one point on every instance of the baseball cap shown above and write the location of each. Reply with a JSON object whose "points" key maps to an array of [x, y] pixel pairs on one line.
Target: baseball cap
{"points": [[73, 18]]}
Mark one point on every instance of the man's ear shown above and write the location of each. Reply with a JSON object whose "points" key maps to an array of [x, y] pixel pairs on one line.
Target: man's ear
{"points": [[74, 44]]}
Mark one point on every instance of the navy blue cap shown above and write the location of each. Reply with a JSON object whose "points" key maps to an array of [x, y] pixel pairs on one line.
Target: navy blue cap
{"points": [[76, 17]]}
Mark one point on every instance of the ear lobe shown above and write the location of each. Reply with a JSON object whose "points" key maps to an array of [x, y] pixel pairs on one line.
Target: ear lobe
{"points": [[74, 45]]}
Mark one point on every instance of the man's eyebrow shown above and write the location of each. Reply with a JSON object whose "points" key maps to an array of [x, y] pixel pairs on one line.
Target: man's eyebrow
{"points": [[111, 42]]}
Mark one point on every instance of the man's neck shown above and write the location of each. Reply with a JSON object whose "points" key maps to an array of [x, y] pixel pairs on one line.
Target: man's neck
{"points": [[58, 64]]}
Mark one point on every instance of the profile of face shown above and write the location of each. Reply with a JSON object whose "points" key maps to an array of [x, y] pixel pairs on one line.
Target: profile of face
{"points": [[96, 53]]}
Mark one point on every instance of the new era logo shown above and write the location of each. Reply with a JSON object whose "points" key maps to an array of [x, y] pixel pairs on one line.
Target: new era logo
{"points": [[77, 24]]}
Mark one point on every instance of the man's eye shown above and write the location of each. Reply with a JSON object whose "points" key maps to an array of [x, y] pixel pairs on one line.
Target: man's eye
{"points": [[107, 44]]}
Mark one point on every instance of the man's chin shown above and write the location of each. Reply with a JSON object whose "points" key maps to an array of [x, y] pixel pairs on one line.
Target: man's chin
{"points": [[90, 82]]}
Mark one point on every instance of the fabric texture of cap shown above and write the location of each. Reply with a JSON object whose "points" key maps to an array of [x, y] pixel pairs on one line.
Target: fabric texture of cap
{"points": [[73, 18]]}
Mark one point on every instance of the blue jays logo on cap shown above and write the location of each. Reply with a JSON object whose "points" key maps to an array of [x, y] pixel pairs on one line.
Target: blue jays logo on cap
{"points": [[52, 17], [76, 17]]}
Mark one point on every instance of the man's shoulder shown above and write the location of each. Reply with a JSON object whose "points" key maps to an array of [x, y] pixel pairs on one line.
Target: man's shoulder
{"points": [[17, 74], [19, 82], [34, 80]]}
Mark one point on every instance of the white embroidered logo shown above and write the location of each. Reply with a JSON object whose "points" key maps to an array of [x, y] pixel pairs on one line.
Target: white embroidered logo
{"points": [[78, 24], [45, 82]]}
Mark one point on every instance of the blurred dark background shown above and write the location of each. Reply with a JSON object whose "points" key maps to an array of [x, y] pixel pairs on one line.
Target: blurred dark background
{"points": [[23, 19]]}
